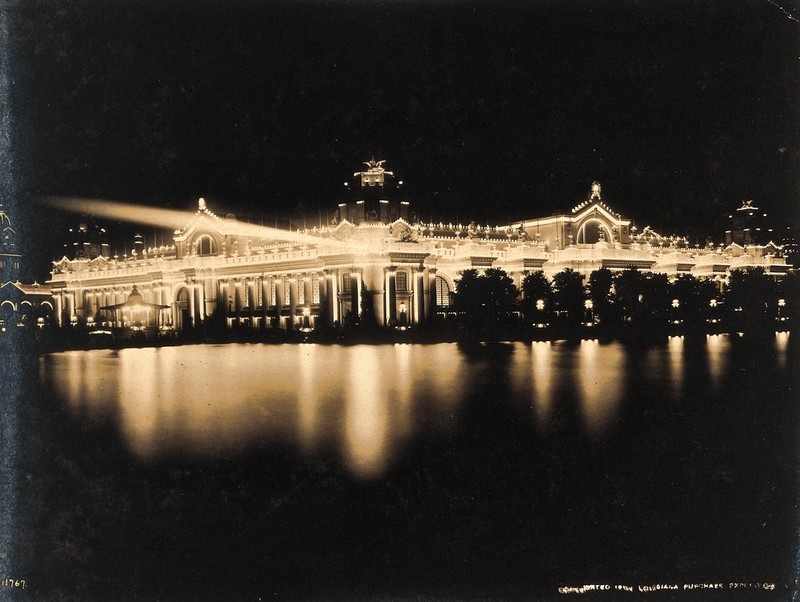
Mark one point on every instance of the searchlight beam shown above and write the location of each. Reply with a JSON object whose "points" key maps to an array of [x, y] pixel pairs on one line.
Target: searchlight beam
{"points": [[174, 219]]}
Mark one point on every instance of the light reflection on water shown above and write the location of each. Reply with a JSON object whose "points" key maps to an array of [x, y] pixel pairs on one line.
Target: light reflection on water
{"points": [[717, 346], [591, 373], [211, 400], [542, 376], [362, 403], [601, 377], [675, 350], [781, 343], [664, 367]]}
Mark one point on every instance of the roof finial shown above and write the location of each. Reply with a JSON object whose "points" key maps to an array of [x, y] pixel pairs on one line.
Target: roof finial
{"points": [[201, 203]]}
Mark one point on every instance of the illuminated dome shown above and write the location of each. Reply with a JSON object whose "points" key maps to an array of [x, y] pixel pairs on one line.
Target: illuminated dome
{"points": [[135, 298]]}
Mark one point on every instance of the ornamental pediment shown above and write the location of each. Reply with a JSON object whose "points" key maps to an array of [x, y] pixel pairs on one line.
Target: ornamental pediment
{"points": [[203, 221], [402, 231], [343, 231], [598, 211]]}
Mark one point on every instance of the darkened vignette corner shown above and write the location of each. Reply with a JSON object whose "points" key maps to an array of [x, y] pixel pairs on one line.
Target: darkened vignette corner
{"points": [[398, 300], [13, 371]]}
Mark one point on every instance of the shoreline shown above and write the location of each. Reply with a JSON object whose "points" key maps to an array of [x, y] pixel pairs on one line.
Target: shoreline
{"points": [[43, 343]]}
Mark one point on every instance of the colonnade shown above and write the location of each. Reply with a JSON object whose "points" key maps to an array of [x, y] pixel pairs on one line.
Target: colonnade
{"points": [[401, 295]]}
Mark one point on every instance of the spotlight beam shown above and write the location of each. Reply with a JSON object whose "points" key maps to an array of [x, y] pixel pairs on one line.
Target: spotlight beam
{"points": [[171, 218]]}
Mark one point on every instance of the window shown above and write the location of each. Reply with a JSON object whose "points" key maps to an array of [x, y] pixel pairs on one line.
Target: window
{"points": [[301, 291], [442, 292], [273, 292], [401, 281], [287, 291], [206, 246], [315, 290], [347, 283]]}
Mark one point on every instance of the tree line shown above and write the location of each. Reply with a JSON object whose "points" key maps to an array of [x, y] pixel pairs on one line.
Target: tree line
{"points": [[489, 304]]}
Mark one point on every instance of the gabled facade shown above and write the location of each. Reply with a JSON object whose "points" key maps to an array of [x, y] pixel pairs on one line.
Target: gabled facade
{"points": [[25, 305]]}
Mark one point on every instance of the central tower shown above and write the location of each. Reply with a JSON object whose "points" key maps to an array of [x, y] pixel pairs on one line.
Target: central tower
{"points": [[375, 196]]}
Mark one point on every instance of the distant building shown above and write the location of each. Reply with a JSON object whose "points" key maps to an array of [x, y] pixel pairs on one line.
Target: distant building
{"points": [[86, 241], [10, 256], [21, 305], [374, 260], [750, 226]]}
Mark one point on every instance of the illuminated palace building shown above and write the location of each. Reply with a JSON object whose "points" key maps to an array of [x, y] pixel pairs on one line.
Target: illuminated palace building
{"points": [[374, 260]]}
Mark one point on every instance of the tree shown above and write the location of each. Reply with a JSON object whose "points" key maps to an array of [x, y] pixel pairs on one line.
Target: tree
{"points": [[569, 296], [656, 297], [693, 297], [486, 302], [750, 297], [600, 283], [537, 297], [502, 294], [629, 291], [789, 296]]}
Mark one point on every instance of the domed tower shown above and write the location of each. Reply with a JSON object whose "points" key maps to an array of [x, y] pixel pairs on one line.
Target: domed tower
{"points": [[87, 241], [10, 258], [375, 196], [748, 226]]}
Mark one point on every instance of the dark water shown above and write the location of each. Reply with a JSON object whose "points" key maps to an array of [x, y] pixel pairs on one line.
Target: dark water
{"points": [[505, 471]]}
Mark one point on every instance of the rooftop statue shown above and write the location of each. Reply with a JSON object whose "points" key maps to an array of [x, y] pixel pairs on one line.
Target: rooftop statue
{"points": [[374, 167]]}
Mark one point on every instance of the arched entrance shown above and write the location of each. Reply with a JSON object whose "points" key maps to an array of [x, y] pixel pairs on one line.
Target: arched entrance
{"points": [[183, 319], [592, 232]]}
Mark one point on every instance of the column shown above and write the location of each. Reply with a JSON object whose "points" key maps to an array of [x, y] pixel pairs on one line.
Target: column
{"points": [[263, 283], [292, 301], [279, 284], [308, 299], [201, 301], [391, 294], [222, 297], [430, 298], [333, 297], [419, 296], [190, 295], [59, 309], [251, 298], [355, 293], [237, 301]]}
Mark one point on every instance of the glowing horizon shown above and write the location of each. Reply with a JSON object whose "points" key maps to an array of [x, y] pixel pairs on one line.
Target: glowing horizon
{"points": [[174, 219]]}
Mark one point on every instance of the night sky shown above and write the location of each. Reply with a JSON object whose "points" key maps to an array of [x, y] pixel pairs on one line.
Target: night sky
{"points": [[489, 111]]}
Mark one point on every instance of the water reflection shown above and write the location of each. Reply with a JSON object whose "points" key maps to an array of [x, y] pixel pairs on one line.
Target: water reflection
{"points": [[664, 367], [676, 372], [781, 343], [601, 381], [554, 373], [542, 376], [717, 348], [364, 404], [366, 414], [222, 400]]}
